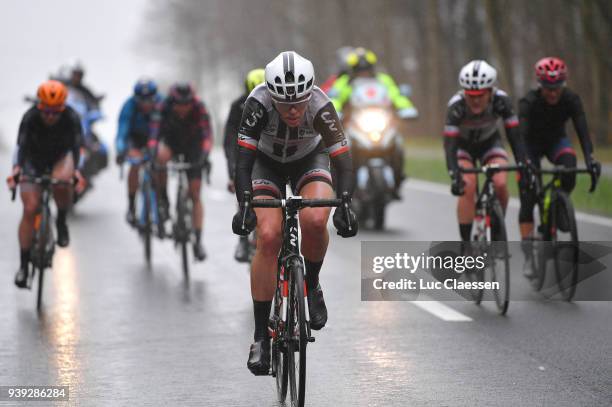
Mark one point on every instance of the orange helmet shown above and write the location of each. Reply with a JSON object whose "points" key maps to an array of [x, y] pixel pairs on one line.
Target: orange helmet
{"points": [[52, 94]]}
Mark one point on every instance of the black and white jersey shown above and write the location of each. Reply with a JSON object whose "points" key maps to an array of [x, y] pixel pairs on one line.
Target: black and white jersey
{"points": [[262, 128], [478, 128]]}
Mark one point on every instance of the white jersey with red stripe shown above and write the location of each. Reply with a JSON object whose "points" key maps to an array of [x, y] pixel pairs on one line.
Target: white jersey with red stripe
{"points": [[476, 128], [263, 129]]}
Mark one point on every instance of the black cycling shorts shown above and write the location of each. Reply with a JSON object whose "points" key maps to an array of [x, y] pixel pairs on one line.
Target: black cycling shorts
{"points": [[482, 152], [193, 156], [269, 176]]}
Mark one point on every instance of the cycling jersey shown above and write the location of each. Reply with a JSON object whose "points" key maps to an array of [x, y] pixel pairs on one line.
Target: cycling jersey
{"points": [[183, 135], [43, 145], [341, 91], [463, 129], [262, 129], [543, 125], [231, 131], [134, 126]]}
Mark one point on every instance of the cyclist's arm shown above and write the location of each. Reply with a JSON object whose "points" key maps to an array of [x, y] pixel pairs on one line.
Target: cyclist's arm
{"points": [[581, 127], [76, 132], [204, 128], [253, 121], [454, 116], [22, 140], [231, 135], [123, 127], [503, 107], [327, 123]]}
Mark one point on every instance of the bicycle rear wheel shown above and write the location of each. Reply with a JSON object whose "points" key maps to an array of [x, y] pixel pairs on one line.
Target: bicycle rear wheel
{"points": [[565, 246], [498, 258], [297, 335]]}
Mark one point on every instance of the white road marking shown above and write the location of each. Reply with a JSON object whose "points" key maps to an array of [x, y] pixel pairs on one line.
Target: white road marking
{"points": [[442, 311], [437, 188]]}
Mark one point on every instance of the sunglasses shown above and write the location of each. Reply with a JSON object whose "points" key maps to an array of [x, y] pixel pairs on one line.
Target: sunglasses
{"points": [[51, 111], [284, 107]]}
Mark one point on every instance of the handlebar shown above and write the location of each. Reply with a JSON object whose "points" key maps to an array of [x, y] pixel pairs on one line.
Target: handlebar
{"points": [[42, 180], [491, 169]]}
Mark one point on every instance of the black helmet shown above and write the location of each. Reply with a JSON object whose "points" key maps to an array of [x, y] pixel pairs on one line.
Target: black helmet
{"points": [[182, 93]]}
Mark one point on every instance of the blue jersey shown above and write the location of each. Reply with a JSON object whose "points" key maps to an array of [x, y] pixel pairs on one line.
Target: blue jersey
{"points": [[134, 126]]}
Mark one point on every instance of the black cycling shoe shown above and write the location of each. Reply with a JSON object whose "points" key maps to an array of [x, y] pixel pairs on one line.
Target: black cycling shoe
{"points": [[63, 238], [259, 358], [21, 278], [317, 308], [130, 217], [563, 222], [198, 252], [242, 250]]}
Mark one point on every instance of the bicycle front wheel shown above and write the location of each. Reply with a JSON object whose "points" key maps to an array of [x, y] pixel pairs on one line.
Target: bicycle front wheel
{"points": [[498, 258], [44, 234], [565, 246], [297, 335], [146, 195], [279, 350]]}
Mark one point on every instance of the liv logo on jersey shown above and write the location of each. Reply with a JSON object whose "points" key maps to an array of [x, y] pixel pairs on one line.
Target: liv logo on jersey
{"points": [[330, 122]]}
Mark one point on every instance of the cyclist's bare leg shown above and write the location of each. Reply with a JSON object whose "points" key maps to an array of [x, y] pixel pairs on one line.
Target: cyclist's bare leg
{"points": [[164, 154], [526, 230], [263, 266], [198, 208], [134, 154], [466, 203], [30, 196], [63, 170], [313, 221], [500, 182]]}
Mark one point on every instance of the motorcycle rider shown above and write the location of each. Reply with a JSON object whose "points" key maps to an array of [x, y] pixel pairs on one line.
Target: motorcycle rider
{"points": [[362, 64], [253, 78], [133, 133], [342, 68], [49, 141], [181, 125]]}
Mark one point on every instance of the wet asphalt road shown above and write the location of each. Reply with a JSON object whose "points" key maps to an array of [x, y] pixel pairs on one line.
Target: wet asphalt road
{"points": [[121, 335]]}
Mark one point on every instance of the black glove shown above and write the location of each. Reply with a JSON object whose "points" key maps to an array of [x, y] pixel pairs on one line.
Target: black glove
{"points": [[342, 223], [120, 159], [457, 183], [594, 168], [250, 221]]}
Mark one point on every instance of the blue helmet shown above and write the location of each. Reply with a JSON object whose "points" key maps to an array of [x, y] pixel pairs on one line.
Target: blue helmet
{"points": [[145, 88]]}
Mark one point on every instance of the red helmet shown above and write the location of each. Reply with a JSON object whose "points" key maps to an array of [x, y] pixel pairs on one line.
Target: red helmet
{"points": [[551, 72]]}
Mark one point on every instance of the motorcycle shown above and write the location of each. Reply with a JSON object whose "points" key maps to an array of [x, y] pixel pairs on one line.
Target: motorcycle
{"points": [[371, 125], [94, 151]]}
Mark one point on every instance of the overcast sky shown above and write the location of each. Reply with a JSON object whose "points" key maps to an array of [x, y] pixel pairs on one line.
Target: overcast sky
{"points": [[38, 36]]}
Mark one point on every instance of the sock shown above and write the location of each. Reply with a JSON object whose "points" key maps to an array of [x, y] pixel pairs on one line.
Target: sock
{"points": [[61, 216], [261, 310], [465, 229], [312, 272], [132, 202], [25, 258]]}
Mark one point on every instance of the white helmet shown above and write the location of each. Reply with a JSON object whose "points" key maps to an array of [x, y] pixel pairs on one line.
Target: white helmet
{"points": [[477, 75], [290, 77]]}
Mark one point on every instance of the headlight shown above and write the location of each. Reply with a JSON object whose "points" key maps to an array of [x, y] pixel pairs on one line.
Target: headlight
{"points": [[373, 121]]}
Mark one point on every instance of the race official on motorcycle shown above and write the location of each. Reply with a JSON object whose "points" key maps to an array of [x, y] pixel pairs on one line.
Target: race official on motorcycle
{"points": [[342, 68], [182, 126], [133, 133], [48, 143], [253, 78], [362, 64]]}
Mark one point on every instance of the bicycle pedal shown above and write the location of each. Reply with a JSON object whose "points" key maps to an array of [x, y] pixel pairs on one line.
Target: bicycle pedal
{"points": [[311, 339]]}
